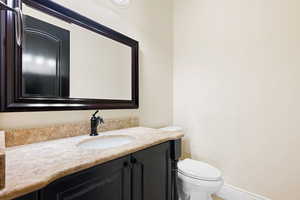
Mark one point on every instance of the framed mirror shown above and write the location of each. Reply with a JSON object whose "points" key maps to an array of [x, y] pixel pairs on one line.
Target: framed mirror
{"points": [[53, 58]]}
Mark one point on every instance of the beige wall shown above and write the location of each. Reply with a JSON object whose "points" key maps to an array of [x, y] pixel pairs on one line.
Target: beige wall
{"points": [[149, 22], [237, 90]]}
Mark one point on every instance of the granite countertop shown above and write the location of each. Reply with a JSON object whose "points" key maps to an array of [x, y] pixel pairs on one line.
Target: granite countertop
{"points": [[33, 166]]}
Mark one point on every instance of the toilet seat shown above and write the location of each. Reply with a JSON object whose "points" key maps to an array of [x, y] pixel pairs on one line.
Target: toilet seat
{"points": [[199, 170]]}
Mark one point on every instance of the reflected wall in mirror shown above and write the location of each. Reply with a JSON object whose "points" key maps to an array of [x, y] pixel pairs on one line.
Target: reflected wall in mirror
{"points": [[66, 61]]}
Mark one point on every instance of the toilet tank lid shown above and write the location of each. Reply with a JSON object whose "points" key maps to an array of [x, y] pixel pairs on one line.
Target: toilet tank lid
{"points": [[172, 128], [199, 170]]}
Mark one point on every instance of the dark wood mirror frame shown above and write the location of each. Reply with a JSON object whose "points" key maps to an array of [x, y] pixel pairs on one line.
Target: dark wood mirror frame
{"points": [[11, 99]]}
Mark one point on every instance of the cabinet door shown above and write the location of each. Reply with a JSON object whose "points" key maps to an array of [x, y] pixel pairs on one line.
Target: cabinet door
{"points": [[44, 41], [151, 173], [108, 181]]}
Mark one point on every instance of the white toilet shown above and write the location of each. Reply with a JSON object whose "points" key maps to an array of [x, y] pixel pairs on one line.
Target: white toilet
{"points": [[196, 180]]}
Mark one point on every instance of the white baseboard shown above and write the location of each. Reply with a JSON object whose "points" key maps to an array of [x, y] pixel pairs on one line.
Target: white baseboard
{"points": [[229, 192]]}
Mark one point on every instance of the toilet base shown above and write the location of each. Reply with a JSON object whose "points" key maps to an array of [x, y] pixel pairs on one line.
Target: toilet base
{"points": [[194, 195], [200, 196], [197, 197]]}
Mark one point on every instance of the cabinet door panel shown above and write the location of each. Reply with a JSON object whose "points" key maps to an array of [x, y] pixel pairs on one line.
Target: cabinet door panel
{"points": [[109, 181], [152, 173]]}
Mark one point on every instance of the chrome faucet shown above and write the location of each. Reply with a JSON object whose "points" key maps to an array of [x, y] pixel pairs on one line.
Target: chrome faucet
{"points": [[95, 122]]}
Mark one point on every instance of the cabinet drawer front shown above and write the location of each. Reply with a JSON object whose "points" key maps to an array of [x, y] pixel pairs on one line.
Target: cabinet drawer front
{"points": [[109, 181]]}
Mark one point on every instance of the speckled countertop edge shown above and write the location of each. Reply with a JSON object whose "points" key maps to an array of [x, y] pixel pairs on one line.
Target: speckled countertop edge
{"points": [[32, 167]]}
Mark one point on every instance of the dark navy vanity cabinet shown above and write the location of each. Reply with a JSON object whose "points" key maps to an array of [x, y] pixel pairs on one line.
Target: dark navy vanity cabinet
{"points": [[145, 175]]}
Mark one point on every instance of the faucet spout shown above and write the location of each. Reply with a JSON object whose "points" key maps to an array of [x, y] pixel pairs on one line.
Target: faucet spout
{"points": [[95, 121]]}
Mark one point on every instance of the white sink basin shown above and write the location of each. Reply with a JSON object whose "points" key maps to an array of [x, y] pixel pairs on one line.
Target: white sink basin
{"points": [[105, 142]]}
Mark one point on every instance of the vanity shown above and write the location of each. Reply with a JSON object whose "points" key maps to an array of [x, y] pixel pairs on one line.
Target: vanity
{"points": [[142, 168], [146, 174]]}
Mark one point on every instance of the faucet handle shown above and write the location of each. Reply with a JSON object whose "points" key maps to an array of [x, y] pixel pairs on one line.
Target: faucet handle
{"points": [[94, 115]]}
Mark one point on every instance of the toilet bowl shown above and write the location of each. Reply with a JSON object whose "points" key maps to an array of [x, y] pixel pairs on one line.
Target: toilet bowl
{"points": [[198, 180]]}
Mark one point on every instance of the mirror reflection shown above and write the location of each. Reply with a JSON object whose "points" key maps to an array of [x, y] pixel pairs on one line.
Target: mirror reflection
{"points": [[63, 60]]}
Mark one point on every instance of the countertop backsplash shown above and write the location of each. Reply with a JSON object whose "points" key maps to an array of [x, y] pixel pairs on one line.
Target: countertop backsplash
{"points": [[16, 137]]}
